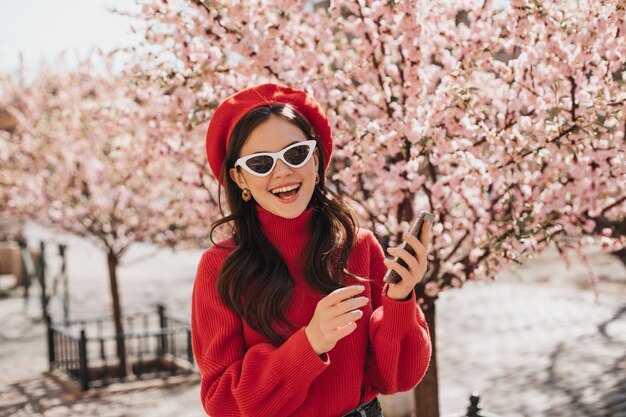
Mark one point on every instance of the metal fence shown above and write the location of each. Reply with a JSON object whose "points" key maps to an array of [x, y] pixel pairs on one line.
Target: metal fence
{"points": [[157, 344]]}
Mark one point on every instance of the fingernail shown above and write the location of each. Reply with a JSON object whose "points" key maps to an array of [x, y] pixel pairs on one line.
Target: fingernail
{"points": [[360, 287]]}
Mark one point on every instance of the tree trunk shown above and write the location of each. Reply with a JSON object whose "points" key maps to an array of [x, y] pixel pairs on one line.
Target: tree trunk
{"points": [[117, 315], [426, 394]]}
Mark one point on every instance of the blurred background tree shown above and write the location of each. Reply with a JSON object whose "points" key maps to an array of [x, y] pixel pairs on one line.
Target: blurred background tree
{"points": [[85, 155]]}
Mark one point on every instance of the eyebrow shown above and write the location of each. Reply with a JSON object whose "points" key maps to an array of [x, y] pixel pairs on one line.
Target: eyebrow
{"points": [[295, 141]]}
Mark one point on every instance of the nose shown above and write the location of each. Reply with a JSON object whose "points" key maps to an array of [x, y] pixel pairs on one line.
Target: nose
{"points": [[281, 169]]}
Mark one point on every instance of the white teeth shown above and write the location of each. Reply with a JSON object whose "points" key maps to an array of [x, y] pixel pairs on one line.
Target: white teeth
{"points": [[285, 189]]}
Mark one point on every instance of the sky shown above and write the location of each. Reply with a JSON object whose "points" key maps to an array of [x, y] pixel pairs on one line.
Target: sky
{"points": [[42, 29]]}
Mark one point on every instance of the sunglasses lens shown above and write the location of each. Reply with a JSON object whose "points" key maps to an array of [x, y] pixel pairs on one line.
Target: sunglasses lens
{"points": [[297, 154], [260, 164]]}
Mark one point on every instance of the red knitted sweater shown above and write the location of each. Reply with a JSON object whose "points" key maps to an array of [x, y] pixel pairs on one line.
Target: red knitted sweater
{"points": [[245, 375]]}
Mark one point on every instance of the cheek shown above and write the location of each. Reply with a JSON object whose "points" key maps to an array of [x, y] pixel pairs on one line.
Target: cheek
{"points": [[308, 172], [257, 183], [314, 165]]}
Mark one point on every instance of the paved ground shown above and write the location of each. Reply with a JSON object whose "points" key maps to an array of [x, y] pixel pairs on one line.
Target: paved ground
{"points": [[534, 343]]}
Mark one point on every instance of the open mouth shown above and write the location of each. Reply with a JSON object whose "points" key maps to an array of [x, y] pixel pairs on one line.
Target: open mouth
{"points": [[288, 192]]}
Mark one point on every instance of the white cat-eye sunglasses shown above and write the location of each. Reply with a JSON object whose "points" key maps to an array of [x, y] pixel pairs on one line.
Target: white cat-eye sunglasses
{"points": [[262, 163]]}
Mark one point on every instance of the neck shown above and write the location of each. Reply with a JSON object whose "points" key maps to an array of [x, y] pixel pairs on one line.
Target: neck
{"points": [[287, 235]]}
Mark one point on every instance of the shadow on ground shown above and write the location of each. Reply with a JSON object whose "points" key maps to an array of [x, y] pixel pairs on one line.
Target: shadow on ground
{"points": [[42, 396]]}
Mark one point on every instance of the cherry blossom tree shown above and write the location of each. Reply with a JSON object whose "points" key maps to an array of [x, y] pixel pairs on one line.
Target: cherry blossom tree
{"points": [[506, 122], [85, 154]]}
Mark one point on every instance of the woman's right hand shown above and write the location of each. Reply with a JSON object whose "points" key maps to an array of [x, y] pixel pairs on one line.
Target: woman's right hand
{"points": [[335, 318]]}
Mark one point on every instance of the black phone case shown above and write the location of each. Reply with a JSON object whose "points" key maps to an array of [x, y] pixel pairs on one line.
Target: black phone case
{"points": [[392, 276]]}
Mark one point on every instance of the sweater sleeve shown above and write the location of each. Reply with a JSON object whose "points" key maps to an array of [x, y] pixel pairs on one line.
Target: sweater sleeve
{"points": [[400, 346], [238, 381]]}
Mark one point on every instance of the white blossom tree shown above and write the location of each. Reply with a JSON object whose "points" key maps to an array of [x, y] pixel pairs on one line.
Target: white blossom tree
{"points": [[86, 156]]}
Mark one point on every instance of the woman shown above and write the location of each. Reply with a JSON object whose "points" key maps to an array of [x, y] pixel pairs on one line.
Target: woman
{"points": [[290, 316]]}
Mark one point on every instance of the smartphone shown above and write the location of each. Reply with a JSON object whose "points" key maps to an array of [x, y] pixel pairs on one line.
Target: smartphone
{"points": [[415, 229]]}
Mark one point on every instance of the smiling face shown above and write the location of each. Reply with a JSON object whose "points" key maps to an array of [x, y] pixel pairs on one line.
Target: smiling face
{"points": [[274, 135]]}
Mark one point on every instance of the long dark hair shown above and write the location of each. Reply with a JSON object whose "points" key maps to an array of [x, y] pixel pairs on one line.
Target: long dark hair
{"points": [[254, 280]]}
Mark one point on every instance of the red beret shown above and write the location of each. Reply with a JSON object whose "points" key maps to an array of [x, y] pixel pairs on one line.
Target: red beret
{"points": [[233, 108]]}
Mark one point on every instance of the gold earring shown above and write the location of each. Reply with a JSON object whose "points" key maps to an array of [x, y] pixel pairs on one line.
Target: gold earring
{"points": [[317, 178], [246, 195]]}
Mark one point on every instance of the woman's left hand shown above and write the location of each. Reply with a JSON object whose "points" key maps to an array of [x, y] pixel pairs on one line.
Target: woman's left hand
{"points": [[416, 264]]}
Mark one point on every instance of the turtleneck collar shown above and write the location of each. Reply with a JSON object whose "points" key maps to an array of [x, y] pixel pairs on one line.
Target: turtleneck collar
{"points": [[287, 235]]}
